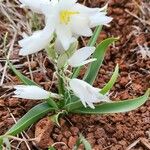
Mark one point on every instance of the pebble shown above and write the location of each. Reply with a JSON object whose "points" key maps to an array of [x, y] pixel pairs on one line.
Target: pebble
{"points": [[72, 141]]}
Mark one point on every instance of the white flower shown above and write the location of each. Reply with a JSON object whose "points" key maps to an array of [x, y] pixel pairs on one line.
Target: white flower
{"points": [[66, 18], [38, 41], [35, 5], [30, 92], [87, 93], [59, 47], [79, 58], [71, 19]]}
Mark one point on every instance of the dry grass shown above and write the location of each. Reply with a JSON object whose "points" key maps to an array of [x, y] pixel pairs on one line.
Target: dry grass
{"points": [[14, 23]]}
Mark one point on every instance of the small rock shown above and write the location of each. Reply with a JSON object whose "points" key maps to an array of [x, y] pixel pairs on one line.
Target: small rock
{"points": [[67, 134], [13, 102], [59, 138], [74, 130], [2, 103], [33, 64], [124, 81], [43, 131], [72, 141]]}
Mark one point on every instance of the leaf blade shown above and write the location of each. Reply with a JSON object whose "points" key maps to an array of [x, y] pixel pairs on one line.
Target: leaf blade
{"points": [[99, 55], [85, 143], [29, 118], [95, 35], [115, 107], [23, 78], [111, 82]]}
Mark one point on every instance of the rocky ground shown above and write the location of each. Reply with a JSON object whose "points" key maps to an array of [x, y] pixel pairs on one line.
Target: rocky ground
{"points": [[128, 131]]}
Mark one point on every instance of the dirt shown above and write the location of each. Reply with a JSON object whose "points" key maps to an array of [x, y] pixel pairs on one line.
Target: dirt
{"points": [[106, 132]]}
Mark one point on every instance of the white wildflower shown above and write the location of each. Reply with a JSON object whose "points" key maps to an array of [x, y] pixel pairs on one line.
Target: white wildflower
{"points": [[80, 57], [31, 92], [36, 42], [87, 93], [67, 18], [72, 19]]}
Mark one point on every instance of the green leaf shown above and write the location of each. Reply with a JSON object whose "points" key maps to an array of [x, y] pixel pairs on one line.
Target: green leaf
{"points": [[1, 147], [111, 82], [62, 59], [1, 142], [52, 103], [76, 104], [29, 118], [23, 78], [95, 35], [115, 107], [51, 52], [91, 42], [99, 54], [51, 148], [55, 118], [83, 141]]}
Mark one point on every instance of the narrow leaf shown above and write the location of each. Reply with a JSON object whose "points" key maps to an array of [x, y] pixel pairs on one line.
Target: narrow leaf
{"points": [[74, 105], [52, 103], [51, 148], [95, 35], [23, 78], [55, 118], [29, 118], [1, 143], [85, 143], [115, 107], [111, 82], [51, 52], [99, 54], [62, 60]]}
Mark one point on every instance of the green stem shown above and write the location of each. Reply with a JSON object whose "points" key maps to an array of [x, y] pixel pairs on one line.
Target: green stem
{"points": [[61, 87], [76, 72], [52, 103]]}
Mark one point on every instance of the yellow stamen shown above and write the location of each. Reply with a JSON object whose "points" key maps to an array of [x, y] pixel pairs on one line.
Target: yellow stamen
{"points": [[65, 16]]}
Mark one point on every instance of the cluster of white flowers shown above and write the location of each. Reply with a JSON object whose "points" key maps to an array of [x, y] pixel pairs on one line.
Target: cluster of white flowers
{"points": [[68, 20]]}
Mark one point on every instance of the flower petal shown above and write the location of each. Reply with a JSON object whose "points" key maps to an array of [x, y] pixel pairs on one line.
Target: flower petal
{"points": [[99, 19], [64, 35], [65, 4], [80, 56], [78, 90], [90, 104], [87, 93], [30, 92], [35, 5], [58, 47], [38, 41], [84, 9], [80, 25], [82, 63]]}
